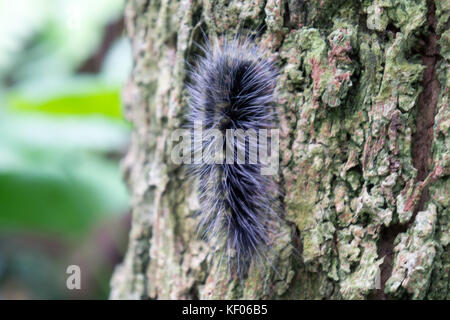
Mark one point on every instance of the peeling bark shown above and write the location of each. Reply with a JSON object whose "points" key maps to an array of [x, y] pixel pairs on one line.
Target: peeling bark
{"points": [[364, 160]]}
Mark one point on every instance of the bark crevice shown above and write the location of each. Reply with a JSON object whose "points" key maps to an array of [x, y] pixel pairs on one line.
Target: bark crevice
{"points": [[426, 107]]}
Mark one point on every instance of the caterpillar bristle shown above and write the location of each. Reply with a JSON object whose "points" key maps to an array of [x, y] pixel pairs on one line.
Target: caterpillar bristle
{"points": [[232, 86]]}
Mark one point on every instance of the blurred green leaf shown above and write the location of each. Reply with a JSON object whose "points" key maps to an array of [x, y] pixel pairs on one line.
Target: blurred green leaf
{"points": [[104, 102], [46, 133], [61, 193], [48, 179], [78, 95]]}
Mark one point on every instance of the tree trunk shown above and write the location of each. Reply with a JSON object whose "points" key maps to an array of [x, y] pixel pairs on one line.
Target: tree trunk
{"points": [[364, 160]]}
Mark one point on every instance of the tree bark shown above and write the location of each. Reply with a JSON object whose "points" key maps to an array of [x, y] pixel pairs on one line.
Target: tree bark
{"points": [[363, 100]]}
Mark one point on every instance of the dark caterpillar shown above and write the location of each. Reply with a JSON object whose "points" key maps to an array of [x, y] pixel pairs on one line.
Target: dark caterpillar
{"points": [[232, 87]]}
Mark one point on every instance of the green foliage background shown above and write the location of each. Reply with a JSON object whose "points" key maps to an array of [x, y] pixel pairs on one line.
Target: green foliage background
{"points": [[61, 130]]}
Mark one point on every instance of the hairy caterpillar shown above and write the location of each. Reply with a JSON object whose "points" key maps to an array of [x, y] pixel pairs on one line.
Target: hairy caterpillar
{"points": [[233, 87]]}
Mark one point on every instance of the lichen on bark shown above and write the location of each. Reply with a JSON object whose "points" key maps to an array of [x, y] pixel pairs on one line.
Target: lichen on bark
{"points": [[364, 159]]}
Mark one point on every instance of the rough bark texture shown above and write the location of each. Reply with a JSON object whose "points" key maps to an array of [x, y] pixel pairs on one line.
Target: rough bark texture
{"points": [[364, 156]]}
